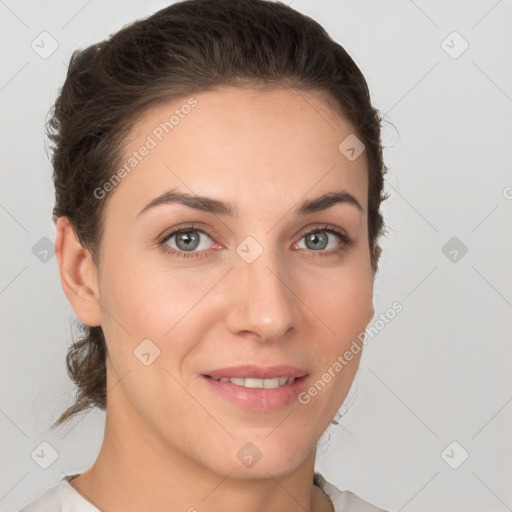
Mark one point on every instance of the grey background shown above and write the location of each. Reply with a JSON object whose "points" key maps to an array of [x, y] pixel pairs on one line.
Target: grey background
{"points": [[439, 372]]}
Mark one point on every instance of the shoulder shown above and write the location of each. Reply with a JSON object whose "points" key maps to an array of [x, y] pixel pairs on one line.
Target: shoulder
{"points": [[61, 498], [344, 501], [49, 501]]}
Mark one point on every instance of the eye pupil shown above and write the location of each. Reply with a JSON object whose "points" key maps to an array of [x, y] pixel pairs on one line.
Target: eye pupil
{"points": [[190, 238], [317, 236]]}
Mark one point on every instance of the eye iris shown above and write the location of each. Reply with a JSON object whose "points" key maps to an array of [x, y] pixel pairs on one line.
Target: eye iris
{"points": [[190, 238], [317, 236]]}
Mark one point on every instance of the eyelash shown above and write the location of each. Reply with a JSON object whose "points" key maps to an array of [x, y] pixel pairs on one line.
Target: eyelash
{"points": [[346, 241]]}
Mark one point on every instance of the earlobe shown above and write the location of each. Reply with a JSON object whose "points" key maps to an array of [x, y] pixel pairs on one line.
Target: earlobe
{"points": [[78, 274]]}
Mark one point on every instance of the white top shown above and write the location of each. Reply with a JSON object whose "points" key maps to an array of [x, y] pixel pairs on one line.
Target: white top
{"points": [[65, 498]]}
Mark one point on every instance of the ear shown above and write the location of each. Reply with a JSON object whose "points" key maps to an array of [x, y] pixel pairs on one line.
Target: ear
{"points": [[377, 250], [78, 274]]}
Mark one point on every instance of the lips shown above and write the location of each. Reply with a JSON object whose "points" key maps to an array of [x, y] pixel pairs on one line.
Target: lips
{"points": [[256, 393], [257, 388], [257, 372]]}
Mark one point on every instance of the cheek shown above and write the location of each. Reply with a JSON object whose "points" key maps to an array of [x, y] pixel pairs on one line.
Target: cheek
{"points": [[342, 300], [342, 311], [144, 312], [131, 302], [144, 298], [159, 304]]}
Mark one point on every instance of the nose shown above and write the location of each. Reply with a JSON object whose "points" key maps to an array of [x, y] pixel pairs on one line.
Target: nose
{"points": [[262, 302]]}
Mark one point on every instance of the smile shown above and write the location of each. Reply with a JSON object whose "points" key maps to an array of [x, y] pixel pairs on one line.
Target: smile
{"points": [[257, 383], [256, 394]]}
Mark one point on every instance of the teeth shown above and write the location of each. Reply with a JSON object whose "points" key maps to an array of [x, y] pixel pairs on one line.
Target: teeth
{"points": [[258, 383]]}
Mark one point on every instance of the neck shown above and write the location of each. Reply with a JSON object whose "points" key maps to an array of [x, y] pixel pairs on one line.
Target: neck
{"points": [[135, 470]]}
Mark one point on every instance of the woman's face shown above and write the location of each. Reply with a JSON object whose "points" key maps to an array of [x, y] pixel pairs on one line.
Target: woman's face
{"points": [[253, 286]]}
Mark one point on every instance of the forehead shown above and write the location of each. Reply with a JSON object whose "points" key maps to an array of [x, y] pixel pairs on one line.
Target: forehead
{"points": [[243, 145]]}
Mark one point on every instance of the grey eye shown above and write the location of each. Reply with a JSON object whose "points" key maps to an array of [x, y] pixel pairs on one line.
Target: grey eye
{"points": [[316, 240], [187, 240]]}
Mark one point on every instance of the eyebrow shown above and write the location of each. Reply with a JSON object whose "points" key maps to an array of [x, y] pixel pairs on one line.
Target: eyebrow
{"points": [[217, 207]]}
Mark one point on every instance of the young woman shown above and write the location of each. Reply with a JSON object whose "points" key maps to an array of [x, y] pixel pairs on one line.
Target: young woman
{"points": [[218, 173]]}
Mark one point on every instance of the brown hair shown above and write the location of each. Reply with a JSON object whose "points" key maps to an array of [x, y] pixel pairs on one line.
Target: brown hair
{"points": [[190, 46]]}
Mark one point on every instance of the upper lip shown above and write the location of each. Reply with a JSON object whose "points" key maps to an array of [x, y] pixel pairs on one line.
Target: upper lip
{"points": [[257, 372]]}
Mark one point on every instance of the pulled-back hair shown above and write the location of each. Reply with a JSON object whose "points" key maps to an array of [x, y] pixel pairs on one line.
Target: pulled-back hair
{"points": [[188, 47]]}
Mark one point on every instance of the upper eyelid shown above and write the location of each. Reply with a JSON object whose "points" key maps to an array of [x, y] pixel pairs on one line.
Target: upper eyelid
{"points": [[178, 230]]}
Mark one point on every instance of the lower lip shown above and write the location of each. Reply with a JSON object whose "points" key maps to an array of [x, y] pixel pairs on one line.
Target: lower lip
{"points": [[258, 399]]}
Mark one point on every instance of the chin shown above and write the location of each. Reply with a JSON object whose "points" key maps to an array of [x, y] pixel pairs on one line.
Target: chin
{"points": [[260, 458]]}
